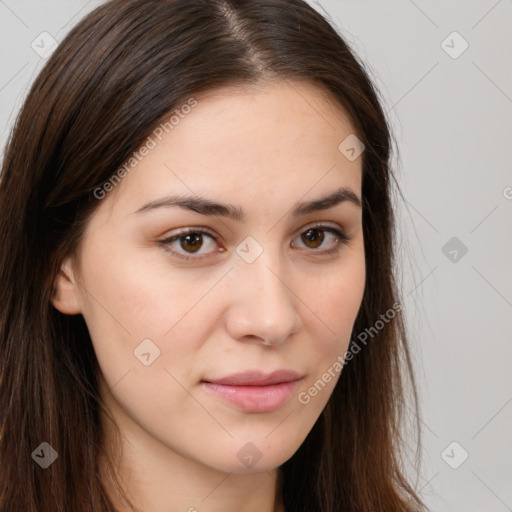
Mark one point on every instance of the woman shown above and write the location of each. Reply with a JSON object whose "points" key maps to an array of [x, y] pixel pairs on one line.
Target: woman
{"points": [[199, 309]]}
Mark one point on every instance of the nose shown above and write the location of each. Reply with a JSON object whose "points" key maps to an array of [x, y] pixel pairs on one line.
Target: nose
{"points": [[264, 307]]}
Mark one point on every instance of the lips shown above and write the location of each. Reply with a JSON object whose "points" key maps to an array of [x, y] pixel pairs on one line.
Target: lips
{"points": [[254, 391], [257, 378]]}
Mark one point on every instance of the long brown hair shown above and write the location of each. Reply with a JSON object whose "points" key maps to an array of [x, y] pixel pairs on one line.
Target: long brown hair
{"points": [[110, 82]]}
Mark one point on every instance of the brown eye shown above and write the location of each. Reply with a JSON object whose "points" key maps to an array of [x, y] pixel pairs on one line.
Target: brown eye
{"points": [[190, 242], [313, 238]]}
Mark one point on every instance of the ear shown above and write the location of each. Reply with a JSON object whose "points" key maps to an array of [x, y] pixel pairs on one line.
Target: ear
{"points": [[66, 290]]}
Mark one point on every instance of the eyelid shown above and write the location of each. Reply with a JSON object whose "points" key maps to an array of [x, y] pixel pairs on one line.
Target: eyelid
{"points": [[192, 229], [321, 224]]}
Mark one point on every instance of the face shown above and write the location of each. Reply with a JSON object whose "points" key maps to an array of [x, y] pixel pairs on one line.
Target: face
{"points": [[179, 297]]}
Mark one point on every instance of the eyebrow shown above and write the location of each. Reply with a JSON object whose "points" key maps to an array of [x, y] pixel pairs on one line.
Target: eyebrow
{"points": [[207, 207]]}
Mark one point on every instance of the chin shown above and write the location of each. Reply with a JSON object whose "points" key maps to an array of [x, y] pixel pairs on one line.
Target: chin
{"points": [[253, 456]]}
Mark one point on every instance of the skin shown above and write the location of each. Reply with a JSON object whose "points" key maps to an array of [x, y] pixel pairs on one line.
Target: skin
{"points": [[264, 149]]}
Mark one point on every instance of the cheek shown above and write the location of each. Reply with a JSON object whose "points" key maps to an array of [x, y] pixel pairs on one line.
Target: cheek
{"points": [[335, 313], [337, 301], [130, 299]]}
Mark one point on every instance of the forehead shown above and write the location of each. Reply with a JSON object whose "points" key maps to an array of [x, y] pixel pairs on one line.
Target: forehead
{"points": [[279, 138]]}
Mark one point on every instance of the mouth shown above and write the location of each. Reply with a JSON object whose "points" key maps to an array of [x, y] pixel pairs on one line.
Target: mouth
{"points": [[254, 391]]}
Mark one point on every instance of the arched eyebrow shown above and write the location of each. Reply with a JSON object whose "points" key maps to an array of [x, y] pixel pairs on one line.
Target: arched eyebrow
{"points": [[205, 206]]}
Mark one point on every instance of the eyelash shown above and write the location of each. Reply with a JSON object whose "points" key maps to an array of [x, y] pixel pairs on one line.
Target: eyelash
{"points": [[342, 237]]}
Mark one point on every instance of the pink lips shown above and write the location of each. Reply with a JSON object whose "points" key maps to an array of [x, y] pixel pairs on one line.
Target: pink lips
{"points": [[254, 391]]}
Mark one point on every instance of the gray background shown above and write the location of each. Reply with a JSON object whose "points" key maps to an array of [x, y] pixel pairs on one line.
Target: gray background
{"points": [[451, 112]]}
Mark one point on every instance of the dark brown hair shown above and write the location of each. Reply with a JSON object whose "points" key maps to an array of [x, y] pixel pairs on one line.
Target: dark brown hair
{"points": [[110, 82]]}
